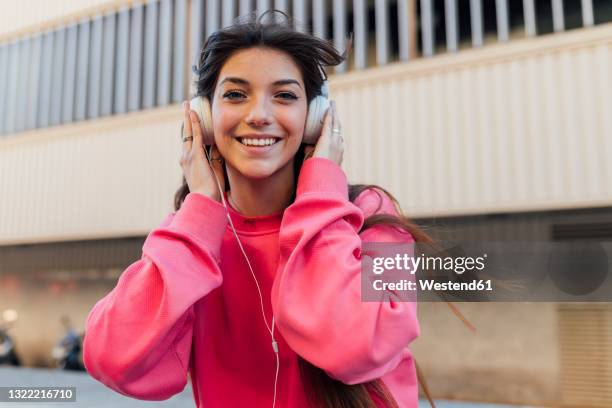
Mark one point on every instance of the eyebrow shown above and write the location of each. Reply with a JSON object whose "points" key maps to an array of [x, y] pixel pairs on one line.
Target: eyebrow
{"points": [[241, 81]]}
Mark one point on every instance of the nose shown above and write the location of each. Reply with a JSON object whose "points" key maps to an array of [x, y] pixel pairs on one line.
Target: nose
{"points": [[259, 114]]}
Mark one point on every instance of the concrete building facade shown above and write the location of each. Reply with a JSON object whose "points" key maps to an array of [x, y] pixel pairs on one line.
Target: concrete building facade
{"points": [[488, 119]]}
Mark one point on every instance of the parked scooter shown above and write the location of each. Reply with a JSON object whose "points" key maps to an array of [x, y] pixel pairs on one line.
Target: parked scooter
{"points": [[8, 355], [67, 353]]}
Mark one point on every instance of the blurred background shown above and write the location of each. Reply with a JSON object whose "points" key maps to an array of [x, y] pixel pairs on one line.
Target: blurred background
{"points": [[487, 119]]}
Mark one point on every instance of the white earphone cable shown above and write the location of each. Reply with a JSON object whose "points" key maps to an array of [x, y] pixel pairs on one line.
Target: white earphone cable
{"points": [[324, 94], [270, 329]]}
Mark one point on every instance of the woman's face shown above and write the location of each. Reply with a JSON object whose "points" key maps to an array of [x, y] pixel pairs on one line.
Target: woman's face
{"points": [[259, 99]]}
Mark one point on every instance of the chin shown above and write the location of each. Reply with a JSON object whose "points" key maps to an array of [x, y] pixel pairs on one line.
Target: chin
{"points": [[261, 169], [258, 171]]}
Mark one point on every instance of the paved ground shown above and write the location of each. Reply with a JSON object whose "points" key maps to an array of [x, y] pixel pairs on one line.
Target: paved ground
{"points": [[92, 394]]}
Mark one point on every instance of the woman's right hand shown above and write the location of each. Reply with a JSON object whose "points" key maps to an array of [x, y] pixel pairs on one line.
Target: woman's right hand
{"points": [[198, 173]]}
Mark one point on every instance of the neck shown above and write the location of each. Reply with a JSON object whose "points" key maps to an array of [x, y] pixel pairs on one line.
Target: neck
{"points": [[262, 196]]}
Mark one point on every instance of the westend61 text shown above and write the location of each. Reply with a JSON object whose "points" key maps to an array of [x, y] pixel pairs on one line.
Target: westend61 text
{"points": [[475, 285]]}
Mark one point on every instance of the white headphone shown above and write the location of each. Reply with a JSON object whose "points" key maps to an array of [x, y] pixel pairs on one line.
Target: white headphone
{"points": [[312, 130]]}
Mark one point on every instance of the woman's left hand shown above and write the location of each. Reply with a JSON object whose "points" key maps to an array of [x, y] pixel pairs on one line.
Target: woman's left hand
{"points": [[330, 144]]}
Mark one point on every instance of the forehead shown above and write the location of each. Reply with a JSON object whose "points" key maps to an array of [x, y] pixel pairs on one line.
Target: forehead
{"points": [[261, 66]]}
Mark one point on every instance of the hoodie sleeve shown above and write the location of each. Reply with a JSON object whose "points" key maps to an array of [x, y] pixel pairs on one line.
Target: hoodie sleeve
{"points": [[138, 337], [316, 295]]}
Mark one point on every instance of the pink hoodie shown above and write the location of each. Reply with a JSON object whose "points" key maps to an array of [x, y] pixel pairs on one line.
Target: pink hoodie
{"points": [[190, 303]]}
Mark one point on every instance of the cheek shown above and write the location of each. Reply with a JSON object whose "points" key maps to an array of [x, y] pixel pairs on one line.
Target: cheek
{"points": [[293, 121], [225, 119], [223, 124]]}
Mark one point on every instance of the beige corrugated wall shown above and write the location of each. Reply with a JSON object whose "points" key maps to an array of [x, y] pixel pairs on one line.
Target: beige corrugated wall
{"points": [[27, 16], [519, 126], [510, 127], [109, 178]]}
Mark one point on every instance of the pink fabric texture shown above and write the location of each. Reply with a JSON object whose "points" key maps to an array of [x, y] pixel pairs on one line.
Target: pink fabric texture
{"points": [[190, 304]]}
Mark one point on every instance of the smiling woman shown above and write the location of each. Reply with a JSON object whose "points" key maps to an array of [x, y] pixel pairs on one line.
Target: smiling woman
{"points": [[207, 296], [250, 106]]}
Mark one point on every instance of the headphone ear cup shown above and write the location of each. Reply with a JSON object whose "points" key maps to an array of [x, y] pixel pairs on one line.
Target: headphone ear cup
{"points": [[314, 121], [202, 107]]}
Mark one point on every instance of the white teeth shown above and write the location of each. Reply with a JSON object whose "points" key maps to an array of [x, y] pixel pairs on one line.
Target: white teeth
{"points": [[258, 142]]}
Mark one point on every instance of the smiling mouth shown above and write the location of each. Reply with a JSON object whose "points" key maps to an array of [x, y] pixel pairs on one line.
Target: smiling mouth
{"points": [[251, 142]]}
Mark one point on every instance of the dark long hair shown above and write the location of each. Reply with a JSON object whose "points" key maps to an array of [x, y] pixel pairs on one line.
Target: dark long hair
{"points": [[312, 55]]}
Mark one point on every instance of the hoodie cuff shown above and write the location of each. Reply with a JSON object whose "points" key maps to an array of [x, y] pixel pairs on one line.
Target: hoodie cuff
{"points": [[203, 218], [321, 175]]}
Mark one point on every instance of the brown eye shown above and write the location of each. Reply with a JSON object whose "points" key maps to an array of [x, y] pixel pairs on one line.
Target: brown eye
{"points": [[233, 95], [287, 95]]}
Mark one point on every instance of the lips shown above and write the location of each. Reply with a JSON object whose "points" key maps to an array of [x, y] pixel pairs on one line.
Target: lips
{"points": [[258, 136], [241, 140], [258, 149], [258, 140]]}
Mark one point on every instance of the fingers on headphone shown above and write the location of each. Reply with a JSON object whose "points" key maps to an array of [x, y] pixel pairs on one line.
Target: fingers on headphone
{"points": [[186, 127], [195, 127], [334, 114], [327, 118]]}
